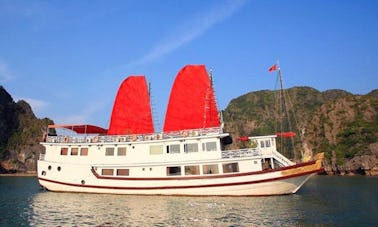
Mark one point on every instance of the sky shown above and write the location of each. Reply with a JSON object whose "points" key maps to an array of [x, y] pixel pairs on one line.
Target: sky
{"points": [[68, 58]]}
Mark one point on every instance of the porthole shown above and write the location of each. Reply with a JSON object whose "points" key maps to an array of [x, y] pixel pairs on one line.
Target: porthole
{"points": [[82, 181], [150, 169], [43, 173], [49, 168], [59, 168], [143, 169]]}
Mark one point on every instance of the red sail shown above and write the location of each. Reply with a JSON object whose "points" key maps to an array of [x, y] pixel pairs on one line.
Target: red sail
{"points": [[132, 111], [191, 103]]}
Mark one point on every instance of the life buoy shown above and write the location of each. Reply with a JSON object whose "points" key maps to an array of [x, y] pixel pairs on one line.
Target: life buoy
{"points": [[184, 133], [134, 137]]}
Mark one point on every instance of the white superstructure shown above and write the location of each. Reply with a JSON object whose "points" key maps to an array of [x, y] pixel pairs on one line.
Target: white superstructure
{"points": [[185, 163]]}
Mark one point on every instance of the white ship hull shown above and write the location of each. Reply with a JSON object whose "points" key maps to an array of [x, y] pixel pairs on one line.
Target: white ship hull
{"points": [[282, 181]]}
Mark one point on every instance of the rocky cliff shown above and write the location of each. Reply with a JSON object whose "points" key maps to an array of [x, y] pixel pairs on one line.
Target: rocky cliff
{"points": [[20, 134], [343, 125]]}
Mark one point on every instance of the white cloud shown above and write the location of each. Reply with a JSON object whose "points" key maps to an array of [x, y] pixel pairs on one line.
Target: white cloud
{"points": [[193, 29], [83, 117], [5, 74]]}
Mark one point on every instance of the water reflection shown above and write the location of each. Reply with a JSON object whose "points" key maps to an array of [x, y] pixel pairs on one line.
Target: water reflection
{"points": [[70, 209], [339, 201]]}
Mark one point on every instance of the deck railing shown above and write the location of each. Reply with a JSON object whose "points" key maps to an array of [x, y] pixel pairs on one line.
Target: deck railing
{"points": [[88, 138], [256, 152], [241, 153]]}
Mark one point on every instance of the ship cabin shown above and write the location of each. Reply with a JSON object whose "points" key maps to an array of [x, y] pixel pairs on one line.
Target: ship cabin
{"points": [[190, 153]]}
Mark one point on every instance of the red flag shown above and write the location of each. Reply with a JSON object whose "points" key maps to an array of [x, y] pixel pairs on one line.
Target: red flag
{"points": [[273, 68]]}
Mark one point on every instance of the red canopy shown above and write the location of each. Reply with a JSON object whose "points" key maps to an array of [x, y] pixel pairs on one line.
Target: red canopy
{"points": [[286, 134], [82, 129], [243, 138]]}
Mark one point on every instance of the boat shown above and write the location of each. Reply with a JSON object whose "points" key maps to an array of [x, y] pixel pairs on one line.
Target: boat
{"points": [[188, 157]]}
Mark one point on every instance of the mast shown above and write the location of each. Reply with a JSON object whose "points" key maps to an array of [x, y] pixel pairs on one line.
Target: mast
{"points": [[210, 98], [285, 132]]}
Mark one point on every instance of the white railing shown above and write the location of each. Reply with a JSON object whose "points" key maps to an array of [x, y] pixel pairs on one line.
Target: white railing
{"points": [[241, 153], [259, 153], [87, 138], [282, 159]]}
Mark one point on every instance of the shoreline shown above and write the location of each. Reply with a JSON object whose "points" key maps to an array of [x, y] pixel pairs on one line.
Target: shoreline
{"points": [[34, 174]]}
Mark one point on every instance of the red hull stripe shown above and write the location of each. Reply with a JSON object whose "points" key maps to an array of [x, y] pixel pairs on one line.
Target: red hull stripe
{"points": [[202, 177], [184, 186]]}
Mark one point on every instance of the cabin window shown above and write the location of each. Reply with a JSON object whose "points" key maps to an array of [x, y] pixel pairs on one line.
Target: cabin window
{"points": [[109, 151], [267, 143], [173, 171], [84, 151], [107, 172], [173, 149], [210, 169], [190, 147], [122, 172], [63, 151], [230, 167], [262, 144], [156, 149], [74, 151], [209, 146], [192, 170], [121, 151]]}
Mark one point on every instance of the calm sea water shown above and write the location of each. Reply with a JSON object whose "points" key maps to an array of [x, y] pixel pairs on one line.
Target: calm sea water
{"points": [[336, 201]]}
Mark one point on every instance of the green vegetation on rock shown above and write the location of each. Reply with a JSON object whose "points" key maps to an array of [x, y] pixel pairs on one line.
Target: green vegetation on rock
{"points": [[20, 134], [342, 125]]}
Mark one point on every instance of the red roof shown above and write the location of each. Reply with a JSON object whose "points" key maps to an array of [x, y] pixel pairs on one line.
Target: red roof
{"points": [[82, 129], [191, 103]]}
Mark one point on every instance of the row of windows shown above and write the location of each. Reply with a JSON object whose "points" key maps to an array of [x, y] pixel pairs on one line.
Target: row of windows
{"points": [[121, 151], [119, 172], [188, 148], [177, 170], [154, 149], [265, 143], [74, 151], [206, 169]]}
